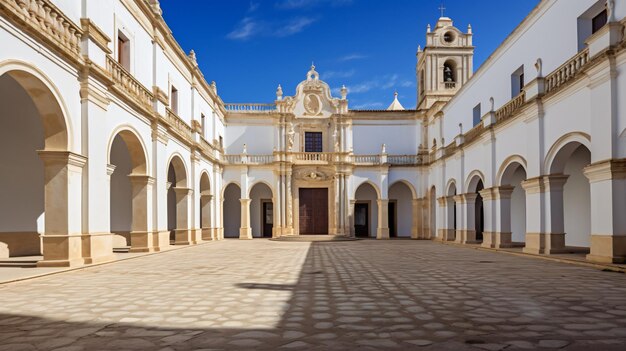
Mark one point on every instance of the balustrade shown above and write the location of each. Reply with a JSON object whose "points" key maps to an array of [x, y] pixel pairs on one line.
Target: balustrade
{"points": [[567, 71], [250, 108], [178, 124], [509, 109], [128, 84]]}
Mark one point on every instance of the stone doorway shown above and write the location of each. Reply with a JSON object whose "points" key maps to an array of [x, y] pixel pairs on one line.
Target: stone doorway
{"points": [[313, 210]]}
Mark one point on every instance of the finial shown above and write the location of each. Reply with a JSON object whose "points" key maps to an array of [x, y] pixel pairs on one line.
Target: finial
{"points": [[192, 57], [214, 86], [279, 92], [539, 67], [460, 128], [469, 29], [313, 65], [419, 48], [245, 149], [610, 6], [493, 104], [395, 95], [344, 92], [428, 28], [383, 149]]}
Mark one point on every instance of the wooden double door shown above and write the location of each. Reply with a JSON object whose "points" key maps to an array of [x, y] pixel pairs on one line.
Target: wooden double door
{"points": [[313, 210]]}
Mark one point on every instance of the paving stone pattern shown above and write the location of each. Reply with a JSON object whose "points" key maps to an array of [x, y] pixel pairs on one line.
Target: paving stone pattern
{"points": [[363, 295]]}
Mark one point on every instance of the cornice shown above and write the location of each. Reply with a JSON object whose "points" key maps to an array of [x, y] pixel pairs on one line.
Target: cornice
{"points": [[96, 34]]}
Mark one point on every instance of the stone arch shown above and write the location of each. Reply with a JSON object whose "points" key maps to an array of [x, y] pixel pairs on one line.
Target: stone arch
{"points": [[509, 165], [136, 148], [571, 212], [369, 182], [451, 187], [452, 65], [129, 190], [231, 196], [564, 145], [512, 201], [451, 224], [50, 190], [48, 101], [261, 194], [178, 201], [205, 206], [472, 181], [366, 196], [401, 216]]}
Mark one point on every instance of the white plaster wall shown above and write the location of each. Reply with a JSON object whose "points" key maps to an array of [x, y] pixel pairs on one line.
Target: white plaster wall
{"points": [[400, 139], [259, 139]]}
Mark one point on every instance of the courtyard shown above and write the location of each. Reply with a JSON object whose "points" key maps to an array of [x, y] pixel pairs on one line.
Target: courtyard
{"points": [[366, 295]]}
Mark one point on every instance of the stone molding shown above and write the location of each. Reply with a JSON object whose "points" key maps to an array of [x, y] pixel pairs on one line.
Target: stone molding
{"points": [[92, 31], [544, 184], [606, 170]]}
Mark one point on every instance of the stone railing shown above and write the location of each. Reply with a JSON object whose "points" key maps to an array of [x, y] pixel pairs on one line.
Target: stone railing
{"points": [[474, 133], [249, 159], [250, 108], [450, 149], [402, 160], [510, 107], [44, 19], [178, 125], [366, 159], [313, 156], [208, 148], [128, 84], [450, 85], [567, 71]]}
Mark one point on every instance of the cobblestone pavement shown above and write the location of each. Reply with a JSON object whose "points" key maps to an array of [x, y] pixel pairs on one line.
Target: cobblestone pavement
{"points": [[361, 295]]}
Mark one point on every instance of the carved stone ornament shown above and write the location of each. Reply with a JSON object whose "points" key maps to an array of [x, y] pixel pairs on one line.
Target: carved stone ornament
{"points": [[312, 104], [312, 174]]}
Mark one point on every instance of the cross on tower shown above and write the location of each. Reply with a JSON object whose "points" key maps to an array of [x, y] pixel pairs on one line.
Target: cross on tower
{"points": [[442, 9]]}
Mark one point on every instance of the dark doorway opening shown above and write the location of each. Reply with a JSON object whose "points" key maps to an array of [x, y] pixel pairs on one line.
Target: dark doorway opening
{"points": [[392, 220], [267, 216], [361, 219], [480, 213], [313, 210]]}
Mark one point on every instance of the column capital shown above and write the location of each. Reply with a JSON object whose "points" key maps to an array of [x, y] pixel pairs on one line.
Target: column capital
{"points": [[62, 157], [141, 179], [182, 191], [245, 201], [382, 201], [443, 201], [459, 199], [110, 169], [606, 170], [469, 197], [547, 183], [496, 193]]}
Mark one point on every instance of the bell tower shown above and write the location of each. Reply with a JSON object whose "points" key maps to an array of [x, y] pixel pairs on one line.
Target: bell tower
{"points": [[445, 63]]}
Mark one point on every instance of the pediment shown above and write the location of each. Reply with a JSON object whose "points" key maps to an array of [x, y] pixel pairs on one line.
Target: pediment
{"points": [[313, 99]]}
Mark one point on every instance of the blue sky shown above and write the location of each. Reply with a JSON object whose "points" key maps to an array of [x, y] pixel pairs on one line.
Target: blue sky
{"points": [[250, 46]]}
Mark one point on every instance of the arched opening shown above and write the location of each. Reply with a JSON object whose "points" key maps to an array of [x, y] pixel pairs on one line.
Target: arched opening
{"points": [[514, 215], [366, 211], [178, 202], [570, 160], [400, 210], [261, 211], [451, 213], [205, 207], [475, 213], [432, 209], [449, 72], [34, 197], [479, 225], [232, 211]]}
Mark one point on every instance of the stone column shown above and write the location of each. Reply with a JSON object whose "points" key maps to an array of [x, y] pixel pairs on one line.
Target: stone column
{"points": [[415, 219], [245, 232], [545, 226], [497, 204], [289, 195], [466, 234], [442, 232], [182, 233], [608, 211], [61, 241], [278, 206], [382, 232], [205, 214], [141, 238]]}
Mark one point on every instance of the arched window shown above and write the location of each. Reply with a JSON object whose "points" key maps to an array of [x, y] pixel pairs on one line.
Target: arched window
{"points": [[422, 88], [449, 74]]}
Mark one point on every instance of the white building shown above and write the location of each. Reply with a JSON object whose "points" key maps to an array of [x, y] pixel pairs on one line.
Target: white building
{"points": [[111, 137]]}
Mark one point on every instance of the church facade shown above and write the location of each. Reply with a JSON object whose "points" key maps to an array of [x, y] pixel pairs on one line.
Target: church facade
{"points": [[112, 139]]}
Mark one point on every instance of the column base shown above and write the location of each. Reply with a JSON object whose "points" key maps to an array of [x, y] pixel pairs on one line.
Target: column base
{"points": [[464, 236], [207, 234], [382, 233], [97, 247], [544, 243], [445, 235], [141, 242], [196, 236], [277, 232], [182, 237], [161, 240], [245, 233], [61, 263], [607, 249]]}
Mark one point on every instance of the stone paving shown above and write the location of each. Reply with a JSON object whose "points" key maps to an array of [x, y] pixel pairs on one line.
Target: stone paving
{"points": [[362, 295]]}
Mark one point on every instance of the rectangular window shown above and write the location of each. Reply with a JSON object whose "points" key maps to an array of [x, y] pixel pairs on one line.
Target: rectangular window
{"points": [[123, 50], [477, 115], [517, 82], [221, 142], [599, 21], [313, 142], [590, 22], [174, 100]]}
